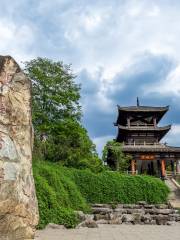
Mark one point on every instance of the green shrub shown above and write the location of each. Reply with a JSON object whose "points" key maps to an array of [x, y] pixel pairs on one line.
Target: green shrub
{"points": [[49, 208], [58, 196], [62, 190], [110, 187], [67, 192]]}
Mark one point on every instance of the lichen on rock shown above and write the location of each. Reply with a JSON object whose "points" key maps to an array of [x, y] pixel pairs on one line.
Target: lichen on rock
{"points": [[18, 203]]}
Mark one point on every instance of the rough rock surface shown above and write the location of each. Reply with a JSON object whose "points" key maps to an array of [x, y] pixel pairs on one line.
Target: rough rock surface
{"points": [[18, 204], [141, 213]]}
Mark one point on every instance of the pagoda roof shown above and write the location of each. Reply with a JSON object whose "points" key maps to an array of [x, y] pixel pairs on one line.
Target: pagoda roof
{"points": [[147, 111], [151, 148], [160, 131], [143, 109]]}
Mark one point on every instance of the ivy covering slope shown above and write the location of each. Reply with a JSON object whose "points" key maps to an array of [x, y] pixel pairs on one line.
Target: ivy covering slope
{"points": [[58, 196], [107, 187], [62, 190]]}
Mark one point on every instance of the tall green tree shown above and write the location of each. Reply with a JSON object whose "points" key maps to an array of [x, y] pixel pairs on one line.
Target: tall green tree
{"points": [[113, 150], [55, 94], [59, 135]]}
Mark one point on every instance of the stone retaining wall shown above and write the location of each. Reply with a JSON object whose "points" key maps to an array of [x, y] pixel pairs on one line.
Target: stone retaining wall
{"points": [[141, 213]]}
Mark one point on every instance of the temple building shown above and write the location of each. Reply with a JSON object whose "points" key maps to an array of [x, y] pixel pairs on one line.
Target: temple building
{"points": [[140, 135]]}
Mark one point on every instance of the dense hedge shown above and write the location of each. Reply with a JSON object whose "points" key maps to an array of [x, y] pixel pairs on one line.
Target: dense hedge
{"points": [[113, 187], [61, 190], [58, 196]]}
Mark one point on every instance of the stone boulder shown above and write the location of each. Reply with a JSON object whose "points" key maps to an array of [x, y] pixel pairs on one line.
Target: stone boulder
{"points": [[54, 226], [88, 223], [18, 204]]}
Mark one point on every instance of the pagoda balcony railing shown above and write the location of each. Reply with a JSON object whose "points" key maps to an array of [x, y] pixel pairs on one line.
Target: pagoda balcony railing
{"points": [[143, 143], [140, 125], [172, 173]]}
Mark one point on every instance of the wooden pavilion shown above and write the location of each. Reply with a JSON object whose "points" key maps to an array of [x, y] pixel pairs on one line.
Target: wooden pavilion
{"points": [[140, 135]]}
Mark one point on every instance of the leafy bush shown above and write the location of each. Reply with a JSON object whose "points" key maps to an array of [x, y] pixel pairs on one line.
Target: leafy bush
{"points": [[58, 196], [62, 190], [49, 208], [112, 187]]}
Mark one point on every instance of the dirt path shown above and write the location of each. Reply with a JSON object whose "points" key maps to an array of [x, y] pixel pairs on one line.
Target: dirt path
{"points": [[113, 232]]}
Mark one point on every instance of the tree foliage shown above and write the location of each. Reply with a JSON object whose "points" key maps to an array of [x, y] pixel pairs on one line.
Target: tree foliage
{"points": [[59, 135], [113, 150], [55, 94]]}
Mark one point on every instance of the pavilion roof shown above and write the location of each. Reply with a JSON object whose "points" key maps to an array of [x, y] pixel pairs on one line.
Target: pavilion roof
{"points": [[160, 132], [143, 109], [147, 111], [151, 148]]}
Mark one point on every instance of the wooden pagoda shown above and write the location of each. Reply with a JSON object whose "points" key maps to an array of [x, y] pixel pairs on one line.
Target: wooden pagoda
{"points": [[140, 135]]}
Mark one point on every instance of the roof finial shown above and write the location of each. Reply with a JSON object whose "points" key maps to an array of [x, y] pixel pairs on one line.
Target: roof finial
{"points": [[138, 102]]}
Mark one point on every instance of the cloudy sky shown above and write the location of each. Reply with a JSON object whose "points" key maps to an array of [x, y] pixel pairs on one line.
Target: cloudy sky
{"points": [[119, 49]]}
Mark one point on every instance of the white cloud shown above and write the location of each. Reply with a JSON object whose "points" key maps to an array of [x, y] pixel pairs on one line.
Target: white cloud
{"points": [[142, 8], [110, 34], [93, 35], [100, 33], [173, 137], [91, 22], [16, 40], [170, 85]]}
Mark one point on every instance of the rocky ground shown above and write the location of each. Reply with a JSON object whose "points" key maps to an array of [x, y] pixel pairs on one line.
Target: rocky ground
{"points": [[121, 222], [141, 213], [113, 232]]}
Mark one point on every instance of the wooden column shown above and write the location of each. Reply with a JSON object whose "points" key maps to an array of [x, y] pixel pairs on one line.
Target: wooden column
{"points": [[177, 167], [128, 122], [159, 167], [155, 122], [163, 169], [172, 168], [133, 167]]}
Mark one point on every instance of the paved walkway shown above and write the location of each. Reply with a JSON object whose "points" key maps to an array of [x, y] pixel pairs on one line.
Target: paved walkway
{"points": [[113, 232], [174, 196]]}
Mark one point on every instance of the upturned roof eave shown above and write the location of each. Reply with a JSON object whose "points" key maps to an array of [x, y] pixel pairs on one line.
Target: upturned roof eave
{"points": [[143, 109], [152, 148], [160, 111]]}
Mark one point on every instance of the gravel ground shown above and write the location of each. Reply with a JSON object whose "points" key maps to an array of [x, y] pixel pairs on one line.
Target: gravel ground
{"points": [[113, 232]]}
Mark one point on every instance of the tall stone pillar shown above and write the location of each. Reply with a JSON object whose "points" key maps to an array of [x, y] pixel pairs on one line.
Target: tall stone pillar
{"points": [[18, 204]]}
